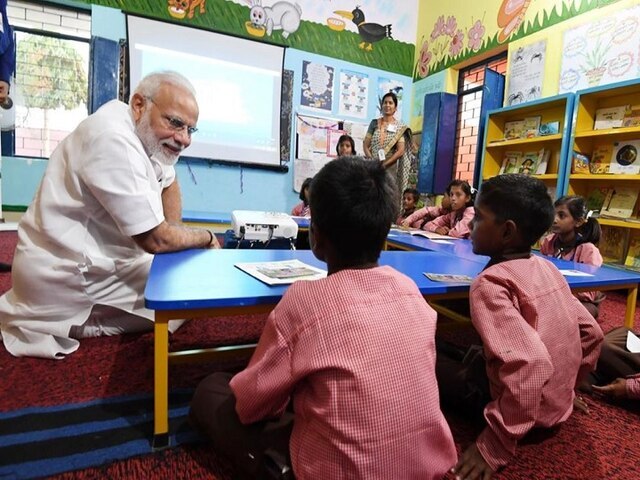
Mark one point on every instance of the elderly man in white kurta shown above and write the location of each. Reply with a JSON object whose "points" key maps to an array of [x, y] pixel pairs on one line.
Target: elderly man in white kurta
{"points": [[109, 199]]}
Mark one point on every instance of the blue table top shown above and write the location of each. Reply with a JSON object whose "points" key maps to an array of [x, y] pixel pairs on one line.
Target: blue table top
{"points": [[208, 278], [457, 247], [205, 217]]}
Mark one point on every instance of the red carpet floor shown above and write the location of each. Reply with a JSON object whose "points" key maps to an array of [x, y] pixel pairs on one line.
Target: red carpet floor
{"points": [[602, 445]]}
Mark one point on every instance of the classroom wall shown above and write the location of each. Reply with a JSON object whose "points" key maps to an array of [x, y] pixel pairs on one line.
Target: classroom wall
{"points": [[212, 187]]}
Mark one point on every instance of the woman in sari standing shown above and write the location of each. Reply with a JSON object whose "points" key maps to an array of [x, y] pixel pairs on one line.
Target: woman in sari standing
{"points": [[389, 141]]}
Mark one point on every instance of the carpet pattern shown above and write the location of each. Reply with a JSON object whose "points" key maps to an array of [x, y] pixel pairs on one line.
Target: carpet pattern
{"points": [[601, 445]]}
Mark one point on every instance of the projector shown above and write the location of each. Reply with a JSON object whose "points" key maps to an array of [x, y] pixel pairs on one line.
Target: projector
{"points": [[262, 226]]}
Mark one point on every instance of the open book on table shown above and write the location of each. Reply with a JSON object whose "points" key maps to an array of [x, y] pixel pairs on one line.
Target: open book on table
{"points": [[423, 233], [282, 272]]}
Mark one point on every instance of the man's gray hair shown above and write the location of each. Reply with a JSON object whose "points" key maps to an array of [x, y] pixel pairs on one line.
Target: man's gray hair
{"points": [[150, 84]]}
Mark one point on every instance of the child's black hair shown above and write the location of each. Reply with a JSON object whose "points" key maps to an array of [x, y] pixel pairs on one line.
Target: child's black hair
{"points": [[414, 192], [522, 199], [346, 138], [305, 185], [354, 203], [466, 188], [590, 230]]}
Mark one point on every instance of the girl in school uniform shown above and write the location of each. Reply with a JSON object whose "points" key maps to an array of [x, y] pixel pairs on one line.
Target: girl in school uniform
{"points": [[575, 233], [346, 147], [419, 218], [457, 223], [302, 209]]}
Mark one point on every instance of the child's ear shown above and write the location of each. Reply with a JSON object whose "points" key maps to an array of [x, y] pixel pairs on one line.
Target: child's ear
{"points": [[510, 231]]}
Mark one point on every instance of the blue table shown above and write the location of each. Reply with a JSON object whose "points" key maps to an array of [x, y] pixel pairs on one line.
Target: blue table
{"points": [[205, 283], [458, 247]]}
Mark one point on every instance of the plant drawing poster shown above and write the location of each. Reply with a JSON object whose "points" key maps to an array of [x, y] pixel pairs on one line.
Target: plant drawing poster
{"points": [[601, 52]]}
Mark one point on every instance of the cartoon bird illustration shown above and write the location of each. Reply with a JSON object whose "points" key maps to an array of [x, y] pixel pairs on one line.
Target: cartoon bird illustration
{"points": [[369, 32]]}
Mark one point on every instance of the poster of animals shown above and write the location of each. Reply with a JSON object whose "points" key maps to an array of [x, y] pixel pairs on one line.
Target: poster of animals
{"points": [[526, 73], [601, 52]]}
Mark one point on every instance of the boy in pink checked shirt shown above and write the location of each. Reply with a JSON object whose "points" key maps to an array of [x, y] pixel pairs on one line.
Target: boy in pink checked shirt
{"points": [[537, 338], [354, 353]]}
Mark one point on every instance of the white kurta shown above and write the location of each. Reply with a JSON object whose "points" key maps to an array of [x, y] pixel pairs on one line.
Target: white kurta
{"points": [[74, 242]]}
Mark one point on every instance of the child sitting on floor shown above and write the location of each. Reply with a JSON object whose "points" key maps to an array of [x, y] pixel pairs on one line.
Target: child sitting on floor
{"points": [[538, 341], [302, 209], [354, 353], [420, 217], [456, 223], [575, 233], [618, 372], [410, 197]]}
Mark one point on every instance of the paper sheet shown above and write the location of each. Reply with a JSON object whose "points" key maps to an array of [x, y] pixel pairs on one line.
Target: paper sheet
{"points": [[574, 273], [633, 343]]}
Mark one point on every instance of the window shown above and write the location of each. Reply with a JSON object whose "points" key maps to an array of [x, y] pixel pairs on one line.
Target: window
{"points": [[51, 80], [470, 84]]}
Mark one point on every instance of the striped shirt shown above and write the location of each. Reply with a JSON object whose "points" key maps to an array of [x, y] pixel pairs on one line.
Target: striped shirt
{"points": [[356, 353]]}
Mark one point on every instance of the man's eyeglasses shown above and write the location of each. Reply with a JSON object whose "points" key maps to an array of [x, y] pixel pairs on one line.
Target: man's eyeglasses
{"points": [[174, 123]]}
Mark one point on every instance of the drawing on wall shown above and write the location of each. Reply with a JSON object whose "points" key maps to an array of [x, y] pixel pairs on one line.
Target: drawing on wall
{"points": [[317, 86], [526, 73], [601, 52], [386, 85], [186, 8], [281, 15], [510, 16], [369, 32], [354, 94], [434, 83]]}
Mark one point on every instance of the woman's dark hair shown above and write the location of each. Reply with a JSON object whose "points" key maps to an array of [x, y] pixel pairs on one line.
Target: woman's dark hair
{"points": [[589, 231], [414, 192], [346, 138], [393, 96], [466, 188], [523, 200], [305, 185], [354, 203]]}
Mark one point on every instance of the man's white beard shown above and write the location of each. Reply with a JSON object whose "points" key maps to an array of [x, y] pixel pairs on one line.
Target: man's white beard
{"points": [[152, 144]]}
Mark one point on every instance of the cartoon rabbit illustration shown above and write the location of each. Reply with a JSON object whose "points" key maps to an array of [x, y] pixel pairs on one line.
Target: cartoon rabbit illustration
{"points": [[283, 16]]}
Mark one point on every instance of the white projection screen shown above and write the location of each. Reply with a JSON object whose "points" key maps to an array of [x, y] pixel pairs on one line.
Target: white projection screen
{"points": [[238, 84]]}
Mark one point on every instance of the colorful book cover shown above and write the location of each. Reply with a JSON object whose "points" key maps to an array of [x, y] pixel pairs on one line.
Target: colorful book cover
{"points": [[512, 162], [595, 199], [514, 129], [619, 202], [529, 163], [625, 157], [633, 253], [632, 116], [579, 163], [613, 243], [531, 127], [611, 117], [601, 159]]}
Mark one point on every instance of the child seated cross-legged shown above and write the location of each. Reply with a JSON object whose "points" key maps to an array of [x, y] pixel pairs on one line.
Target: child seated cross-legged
{"points": [[538, 341], [455, 223], [420, 217], [353, 352], [575, 233]]}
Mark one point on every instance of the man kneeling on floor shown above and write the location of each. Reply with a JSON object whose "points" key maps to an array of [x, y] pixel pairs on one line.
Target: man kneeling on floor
{"points": [[354, 353]]}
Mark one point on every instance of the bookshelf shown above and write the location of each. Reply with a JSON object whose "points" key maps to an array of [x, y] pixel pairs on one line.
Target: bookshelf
{"points": [[618, 233], [495, 144]]}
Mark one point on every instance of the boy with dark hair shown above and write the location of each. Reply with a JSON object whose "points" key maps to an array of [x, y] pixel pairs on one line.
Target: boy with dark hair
{"points": [[410, 199], [539, 342], [354, 352]]}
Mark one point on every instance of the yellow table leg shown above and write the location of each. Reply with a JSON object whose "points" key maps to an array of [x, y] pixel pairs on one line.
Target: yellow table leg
{"points": [[161, 381], [629, 316]]}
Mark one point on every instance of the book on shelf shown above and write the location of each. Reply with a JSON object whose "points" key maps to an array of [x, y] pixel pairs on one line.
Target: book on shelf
{"points": [[543, 161], [531, 127], [619, 202], [633, 252], [601, 159], [511, 162], [282, 272], [529, 163], [549, 128], [613, 244], [514, 129], [595, 199], [579, 163], [611, 117], [631, 116], [625, 157]]}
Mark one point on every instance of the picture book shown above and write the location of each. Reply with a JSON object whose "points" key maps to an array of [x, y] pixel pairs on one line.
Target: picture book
{"points": [[514, 129], [613, 243], [529, 163], [633, 252], [549, 128], [511, 162], [448, 277], [531, 127], [625, 157], [601, 159], [619, 202], [611, 117], [543, 161], [579, 163], [282, 272], [595, 199], [632, 116], [423, 233]]}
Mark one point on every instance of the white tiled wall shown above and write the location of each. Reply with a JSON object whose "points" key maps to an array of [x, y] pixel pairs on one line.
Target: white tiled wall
{"points": [[47, 18]]}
